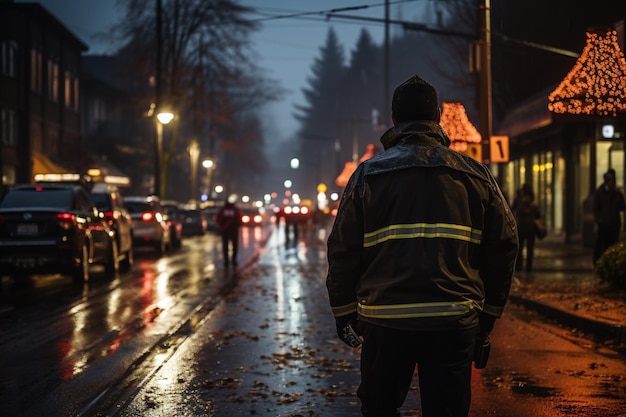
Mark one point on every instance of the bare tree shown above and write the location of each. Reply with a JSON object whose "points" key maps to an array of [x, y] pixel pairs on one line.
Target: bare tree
{"points": [[207, 69]]}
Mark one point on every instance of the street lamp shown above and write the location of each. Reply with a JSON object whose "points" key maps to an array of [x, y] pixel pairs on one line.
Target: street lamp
{"points": [[162, 118]]}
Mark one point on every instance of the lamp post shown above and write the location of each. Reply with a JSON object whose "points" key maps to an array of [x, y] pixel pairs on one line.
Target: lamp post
{"points": [[209, 164], [162, 118], [194, 153]]}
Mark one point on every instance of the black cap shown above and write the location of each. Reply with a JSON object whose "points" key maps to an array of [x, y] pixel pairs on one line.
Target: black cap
{"points": [[415, 99]]}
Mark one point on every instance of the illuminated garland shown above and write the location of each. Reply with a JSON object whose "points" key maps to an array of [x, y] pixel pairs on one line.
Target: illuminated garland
{"points": [[596, 85], [460, 130]]}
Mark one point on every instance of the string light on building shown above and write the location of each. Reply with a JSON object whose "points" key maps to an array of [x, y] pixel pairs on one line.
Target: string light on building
{"points": [[596, 84], [457, 125]]}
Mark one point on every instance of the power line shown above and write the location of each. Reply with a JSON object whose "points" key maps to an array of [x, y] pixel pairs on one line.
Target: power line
{"points": [[325, 12]]}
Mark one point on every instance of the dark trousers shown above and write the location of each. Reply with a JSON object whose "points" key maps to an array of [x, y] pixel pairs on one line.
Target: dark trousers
{"points": [[444, 361], [527, 240], [230, 240], [606, 236]]}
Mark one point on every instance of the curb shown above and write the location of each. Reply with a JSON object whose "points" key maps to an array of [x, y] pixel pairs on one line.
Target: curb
{"points": [[600, 329]]}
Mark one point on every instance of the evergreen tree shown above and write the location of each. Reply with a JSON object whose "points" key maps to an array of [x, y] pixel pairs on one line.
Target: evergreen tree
{"points": [[318, 117]]}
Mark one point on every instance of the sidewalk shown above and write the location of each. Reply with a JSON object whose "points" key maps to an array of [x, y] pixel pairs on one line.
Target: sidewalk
{"points": [[564, 287]]}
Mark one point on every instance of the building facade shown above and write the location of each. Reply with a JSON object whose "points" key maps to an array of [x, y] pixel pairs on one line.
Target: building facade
{"points": [[565, 138], [40, 63]]}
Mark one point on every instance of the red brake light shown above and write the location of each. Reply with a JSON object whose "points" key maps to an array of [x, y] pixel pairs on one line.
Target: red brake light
{"points": [[147, 216], [65, 217], [65, 220], [38, 188], [110, 215], [245, 218]]}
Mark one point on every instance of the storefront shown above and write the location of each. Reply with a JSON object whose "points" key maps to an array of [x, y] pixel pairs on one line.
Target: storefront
{"points": [[564, 140]]}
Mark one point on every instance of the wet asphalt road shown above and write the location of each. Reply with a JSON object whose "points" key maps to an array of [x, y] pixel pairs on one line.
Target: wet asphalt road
{"points": [[269, 350], [183, 346]]}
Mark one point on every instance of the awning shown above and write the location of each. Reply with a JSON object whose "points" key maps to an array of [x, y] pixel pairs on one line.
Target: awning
{"points": [[43, 165]]}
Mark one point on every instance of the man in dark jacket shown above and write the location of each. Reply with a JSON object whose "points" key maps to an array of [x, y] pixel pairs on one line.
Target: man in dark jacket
{"points": [[608, 202], [421, 258], [228, 220]]}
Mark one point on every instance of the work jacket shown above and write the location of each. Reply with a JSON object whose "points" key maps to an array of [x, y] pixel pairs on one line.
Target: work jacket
{"points": [[423, 237]]}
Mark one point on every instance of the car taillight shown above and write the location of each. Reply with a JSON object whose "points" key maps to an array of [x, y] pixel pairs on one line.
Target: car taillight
{"points": [[66, 220], [147, 216], [111, 215], [245, 219], [258, 218]]}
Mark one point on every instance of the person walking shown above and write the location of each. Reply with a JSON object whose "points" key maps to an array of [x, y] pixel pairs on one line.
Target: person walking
{"points": [[526, 213], [228, 220], [608, 201], [421, 258]]}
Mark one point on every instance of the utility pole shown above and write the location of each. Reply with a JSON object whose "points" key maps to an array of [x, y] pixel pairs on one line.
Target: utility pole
{"points": [[386, 107], [485, 77], [157, 102]]}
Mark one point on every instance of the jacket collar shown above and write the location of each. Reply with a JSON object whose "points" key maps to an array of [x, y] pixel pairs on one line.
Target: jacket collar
{"points": [[422, 130]]}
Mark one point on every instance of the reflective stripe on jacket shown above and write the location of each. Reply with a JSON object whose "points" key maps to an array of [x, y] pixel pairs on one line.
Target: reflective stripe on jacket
{"points": [[422, 234]]}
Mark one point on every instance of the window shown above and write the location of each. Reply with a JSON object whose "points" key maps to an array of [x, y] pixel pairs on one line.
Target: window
{"points": [[68, 96], [53, 81], [8, 58], [8, 127], [36, 70], [76, 93]]}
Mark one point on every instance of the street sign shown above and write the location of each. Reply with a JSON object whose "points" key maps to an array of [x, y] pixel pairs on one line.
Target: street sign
{"points": [[499, 149], [475, 150]]}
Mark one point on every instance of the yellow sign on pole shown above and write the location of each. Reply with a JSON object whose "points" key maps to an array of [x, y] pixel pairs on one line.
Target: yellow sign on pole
{"points": [[475, 150], [499, 149]]}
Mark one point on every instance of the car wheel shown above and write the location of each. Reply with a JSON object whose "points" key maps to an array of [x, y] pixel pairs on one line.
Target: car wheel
{"points": [[112, 265], [80, 275], [128, 260]]}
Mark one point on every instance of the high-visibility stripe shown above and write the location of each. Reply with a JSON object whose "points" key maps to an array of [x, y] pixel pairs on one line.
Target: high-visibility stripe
{"points": [[405, 311], [344, 310], [495, 311], [422, 230]]}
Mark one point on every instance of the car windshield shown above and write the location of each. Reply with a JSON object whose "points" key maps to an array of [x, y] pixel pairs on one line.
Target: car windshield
{"points": [[101, 201], [194, 215], [138, 207], [46, 197]]}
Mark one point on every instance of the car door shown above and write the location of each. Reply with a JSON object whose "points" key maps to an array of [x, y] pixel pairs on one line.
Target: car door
{"points": [[124, 222], [96, 225]]}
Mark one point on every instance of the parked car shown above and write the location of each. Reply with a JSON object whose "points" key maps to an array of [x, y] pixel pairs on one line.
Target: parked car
{"points": [[109, 201], [209, 214], [194, 222], [54, 228], [173, 217], [149, 225]]}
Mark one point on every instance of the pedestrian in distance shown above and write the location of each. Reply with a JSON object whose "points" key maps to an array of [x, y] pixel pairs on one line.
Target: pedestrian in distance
{"points": [[608, 202], [228, 220], [421, 258], [526, 214]]}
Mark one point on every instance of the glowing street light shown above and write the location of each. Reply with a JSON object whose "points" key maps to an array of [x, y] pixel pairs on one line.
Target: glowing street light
{"points": [[162, 118]]}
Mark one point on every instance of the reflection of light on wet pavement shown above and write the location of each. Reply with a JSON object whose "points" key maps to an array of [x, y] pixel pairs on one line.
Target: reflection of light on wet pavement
{"points": [[245, 237]]}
